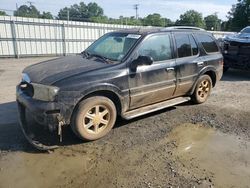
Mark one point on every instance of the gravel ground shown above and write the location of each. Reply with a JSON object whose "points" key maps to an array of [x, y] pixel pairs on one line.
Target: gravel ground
{"points": [[187, 145]]}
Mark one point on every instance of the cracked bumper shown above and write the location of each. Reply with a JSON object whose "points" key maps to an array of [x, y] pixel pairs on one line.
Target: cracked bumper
{"points": [[41, 132]]}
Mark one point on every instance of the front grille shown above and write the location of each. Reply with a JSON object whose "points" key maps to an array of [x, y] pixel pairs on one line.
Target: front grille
{"points": [[244, 50], [238, 49], [27, 89]]}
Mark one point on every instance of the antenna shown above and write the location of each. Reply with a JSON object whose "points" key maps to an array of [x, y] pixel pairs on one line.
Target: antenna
{"points": [[136, 7]]}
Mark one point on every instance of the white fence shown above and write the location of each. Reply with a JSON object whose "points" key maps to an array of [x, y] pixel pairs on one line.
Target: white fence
{"points": [[22, 37]]}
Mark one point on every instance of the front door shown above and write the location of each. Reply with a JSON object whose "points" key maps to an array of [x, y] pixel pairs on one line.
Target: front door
{"points": [[157, 82]]}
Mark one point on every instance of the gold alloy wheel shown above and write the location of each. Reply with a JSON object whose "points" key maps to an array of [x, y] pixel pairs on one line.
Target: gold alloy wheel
{"points": [[204, 89], [96, 119]]}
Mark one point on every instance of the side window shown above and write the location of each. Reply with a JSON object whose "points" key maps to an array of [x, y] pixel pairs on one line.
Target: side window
{"points": [[194, 46], [183, 45], [157, 46], [208, 43]]}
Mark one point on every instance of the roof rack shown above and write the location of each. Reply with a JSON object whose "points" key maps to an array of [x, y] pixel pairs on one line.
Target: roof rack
{"points": [[184, 28]]}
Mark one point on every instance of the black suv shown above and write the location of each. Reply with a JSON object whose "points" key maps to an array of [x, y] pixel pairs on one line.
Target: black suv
{"points": [[236, 50], [125, 73]]}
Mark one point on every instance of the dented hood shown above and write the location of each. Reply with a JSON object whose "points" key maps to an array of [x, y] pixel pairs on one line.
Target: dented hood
{"points": [[240, 38], [54, 70]]}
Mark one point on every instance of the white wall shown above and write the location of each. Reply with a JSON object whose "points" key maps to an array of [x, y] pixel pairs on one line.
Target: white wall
{"points": [[35, 37]]}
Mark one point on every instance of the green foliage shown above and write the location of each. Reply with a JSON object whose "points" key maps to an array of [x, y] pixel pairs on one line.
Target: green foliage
{"points": [[82, 12], [46, 15], [93, 10], [213, 22], [31, 12], [239, 16], [2, 13], [100, 19], [156, 20], [27, 11], [191, 18]]}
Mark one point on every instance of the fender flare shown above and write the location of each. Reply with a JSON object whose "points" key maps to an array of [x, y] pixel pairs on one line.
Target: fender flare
{"points": [[106, 87], [202, 72]]}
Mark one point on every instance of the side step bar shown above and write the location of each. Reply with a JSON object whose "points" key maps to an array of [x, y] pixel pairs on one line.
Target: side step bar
{"points": [[155, 107]]}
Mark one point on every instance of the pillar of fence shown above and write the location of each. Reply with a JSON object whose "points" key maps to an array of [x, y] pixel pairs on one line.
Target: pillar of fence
{"points": [[14, 38], [64, 40]]}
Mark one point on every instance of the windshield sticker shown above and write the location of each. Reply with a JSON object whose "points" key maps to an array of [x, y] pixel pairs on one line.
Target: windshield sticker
{"points": [[133, 36]]}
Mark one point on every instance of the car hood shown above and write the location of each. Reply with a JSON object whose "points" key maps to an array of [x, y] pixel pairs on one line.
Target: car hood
{"points": [[240, 38], [49, 72]]}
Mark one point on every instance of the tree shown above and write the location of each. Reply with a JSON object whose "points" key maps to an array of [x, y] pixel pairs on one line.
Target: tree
{"points": [[213, 22], [100, 19], [32, 12], [191, 18], [154, 20], [239, 15], [27, 11], [3, 13], [46, 15], [82, 12], [93, 10]]}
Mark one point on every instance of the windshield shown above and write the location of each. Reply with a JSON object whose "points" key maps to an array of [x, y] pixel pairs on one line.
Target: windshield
{"points": [[113, 46], [246, 30]]}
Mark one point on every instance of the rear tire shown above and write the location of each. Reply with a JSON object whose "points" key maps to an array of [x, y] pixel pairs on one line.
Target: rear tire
{"points": [[202, 90], [94, 118]]}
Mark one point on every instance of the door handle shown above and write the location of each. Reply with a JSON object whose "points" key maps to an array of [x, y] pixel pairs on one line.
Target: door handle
{"points": [[169, 69], [200, 63]]}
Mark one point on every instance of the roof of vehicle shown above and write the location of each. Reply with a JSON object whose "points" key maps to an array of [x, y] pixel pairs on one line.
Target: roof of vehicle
{"points": [[147, 30]]}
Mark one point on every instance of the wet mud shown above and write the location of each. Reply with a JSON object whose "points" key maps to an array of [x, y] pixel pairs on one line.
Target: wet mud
{"points": [[224, 158]]}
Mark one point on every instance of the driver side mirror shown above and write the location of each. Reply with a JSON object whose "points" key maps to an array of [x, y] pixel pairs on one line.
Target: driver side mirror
{"points": [[141, 60]]}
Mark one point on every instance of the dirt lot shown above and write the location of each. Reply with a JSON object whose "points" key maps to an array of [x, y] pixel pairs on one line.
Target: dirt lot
{"points": [[188, 145]]}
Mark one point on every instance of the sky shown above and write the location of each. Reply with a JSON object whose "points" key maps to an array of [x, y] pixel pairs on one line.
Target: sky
{"points": [[114, 8]]}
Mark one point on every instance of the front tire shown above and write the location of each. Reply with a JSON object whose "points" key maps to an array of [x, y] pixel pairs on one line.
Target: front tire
{"points": [[202, 90], [94, 118]]}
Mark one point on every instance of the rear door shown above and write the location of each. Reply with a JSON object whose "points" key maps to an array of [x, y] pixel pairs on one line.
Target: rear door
{"points": [[211, 53], [188, 62], [157, 82]]}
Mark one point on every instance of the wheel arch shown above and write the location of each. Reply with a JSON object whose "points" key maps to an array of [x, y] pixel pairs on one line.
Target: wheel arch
{"points": [[114, 97], [212, 75], [109, 91], [211, 72]]}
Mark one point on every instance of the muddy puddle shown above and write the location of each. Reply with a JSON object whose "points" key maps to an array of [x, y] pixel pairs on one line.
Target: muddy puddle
{"points": [[42, 170], [199, 156], [222, 159]]}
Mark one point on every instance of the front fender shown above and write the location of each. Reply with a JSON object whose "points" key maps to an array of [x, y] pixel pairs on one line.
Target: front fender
{"points": [[123, 95]]}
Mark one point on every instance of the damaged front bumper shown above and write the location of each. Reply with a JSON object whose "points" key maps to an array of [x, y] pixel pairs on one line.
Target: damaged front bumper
{"points": [[40, 121], [237, 61], [236, 55]]}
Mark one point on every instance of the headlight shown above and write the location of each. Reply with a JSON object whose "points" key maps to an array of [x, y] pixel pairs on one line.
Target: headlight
{"points": [[45, 93]]}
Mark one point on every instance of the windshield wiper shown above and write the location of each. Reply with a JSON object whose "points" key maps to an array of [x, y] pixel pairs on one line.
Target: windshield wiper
{"points": [[85, 53], [107, 60]]}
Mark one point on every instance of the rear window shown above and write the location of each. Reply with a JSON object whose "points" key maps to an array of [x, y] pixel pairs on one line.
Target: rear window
{"points": [[186, 45], [208, 43]]}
